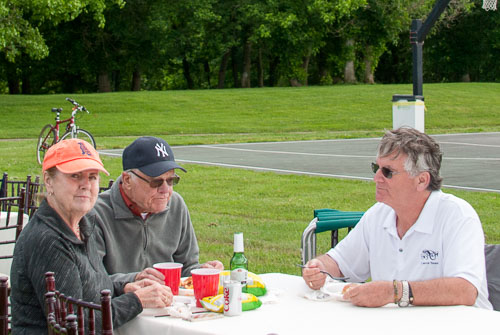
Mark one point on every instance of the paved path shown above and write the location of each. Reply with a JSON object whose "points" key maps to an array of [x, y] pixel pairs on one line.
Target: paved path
{"points": [[470, 161]]}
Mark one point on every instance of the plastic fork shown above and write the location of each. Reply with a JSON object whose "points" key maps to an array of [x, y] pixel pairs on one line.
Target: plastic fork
{"points": [[325, 272]]}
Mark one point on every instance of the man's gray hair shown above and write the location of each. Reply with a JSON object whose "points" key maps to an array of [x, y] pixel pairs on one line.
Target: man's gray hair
{"points": [[423, 153]]}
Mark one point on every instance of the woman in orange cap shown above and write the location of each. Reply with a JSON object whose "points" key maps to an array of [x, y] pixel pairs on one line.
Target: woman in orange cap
{"points": [[59, 239]]}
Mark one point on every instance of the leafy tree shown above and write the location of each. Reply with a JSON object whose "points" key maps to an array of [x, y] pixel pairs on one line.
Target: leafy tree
{"points": [[20, 20], [300, 28], [20, 27]]}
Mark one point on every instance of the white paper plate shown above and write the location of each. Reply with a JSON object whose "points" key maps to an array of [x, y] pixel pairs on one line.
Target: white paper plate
{"points": [[185, 291], [334, 289]]}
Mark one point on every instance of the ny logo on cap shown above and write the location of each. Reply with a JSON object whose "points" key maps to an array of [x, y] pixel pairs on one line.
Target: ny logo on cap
{"points": [[161, 149]]}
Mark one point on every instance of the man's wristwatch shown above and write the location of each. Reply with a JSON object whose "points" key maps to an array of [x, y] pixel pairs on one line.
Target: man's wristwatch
{"points": [[405, 298]]}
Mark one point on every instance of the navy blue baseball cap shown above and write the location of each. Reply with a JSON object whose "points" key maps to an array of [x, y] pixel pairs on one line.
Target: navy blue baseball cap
{"points": [[151, 155]]}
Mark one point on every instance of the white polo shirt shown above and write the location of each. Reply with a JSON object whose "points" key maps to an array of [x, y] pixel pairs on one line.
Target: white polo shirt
{"points": [[447, 240]]}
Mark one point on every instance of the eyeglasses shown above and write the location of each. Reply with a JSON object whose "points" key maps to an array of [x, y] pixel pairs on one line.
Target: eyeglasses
{"points": [[155, 183], [388, 173]]}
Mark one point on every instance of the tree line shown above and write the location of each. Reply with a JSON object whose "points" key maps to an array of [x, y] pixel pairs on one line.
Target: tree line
{"points": [[117, 45]]}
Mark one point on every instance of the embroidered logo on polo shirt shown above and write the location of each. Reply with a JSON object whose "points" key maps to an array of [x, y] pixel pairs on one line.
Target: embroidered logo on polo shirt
{"points": [[429, 257]]}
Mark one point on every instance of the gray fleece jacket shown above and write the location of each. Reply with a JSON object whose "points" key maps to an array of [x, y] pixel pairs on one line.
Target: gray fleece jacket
{"points": [[128, 244], [48, 244]]}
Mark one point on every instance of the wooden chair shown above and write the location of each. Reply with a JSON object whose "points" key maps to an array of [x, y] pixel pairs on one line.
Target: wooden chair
{"points": [[12, 188], [102, 189], [34, 192], [66, 315], [11, 224], [4, 306]]}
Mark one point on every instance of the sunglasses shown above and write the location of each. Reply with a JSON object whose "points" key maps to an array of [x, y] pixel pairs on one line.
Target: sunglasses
{"points": [[386, 172], [155, 183]]}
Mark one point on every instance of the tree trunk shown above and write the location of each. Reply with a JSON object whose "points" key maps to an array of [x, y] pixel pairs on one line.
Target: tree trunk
{"points": [[116, 80], [26, 85], [369, 79], [206, 68], [136, 80], [260, 69], [322, 69], [13, 85], [247, 65], [222, 68], [305, 66], [273, 66], [466, 78], [234, 64], [68, 83], [295, 82], [12, 78], [104, 85], [187, 73], [349, 72]]}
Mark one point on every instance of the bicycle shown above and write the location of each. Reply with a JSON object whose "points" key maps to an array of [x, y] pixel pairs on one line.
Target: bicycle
{"points": [[50, 133]]}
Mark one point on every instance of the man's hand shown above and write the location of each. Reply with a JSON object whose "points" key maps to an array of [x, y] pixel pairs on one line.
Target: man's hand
{"points": [[373, 294], [313, 278], [213, 265], [150, 293], [150, 273]]}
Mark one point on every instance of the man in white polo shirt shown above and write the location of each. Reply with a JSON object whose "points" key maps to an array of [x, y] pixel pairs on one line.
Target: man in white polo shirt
{"points": [[417, 244]]}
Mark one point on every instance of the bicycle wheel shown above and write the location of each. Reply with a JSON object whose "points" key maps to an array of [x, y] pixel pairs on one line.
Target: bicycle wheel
{"points": [[46, 139], [81, 134]]}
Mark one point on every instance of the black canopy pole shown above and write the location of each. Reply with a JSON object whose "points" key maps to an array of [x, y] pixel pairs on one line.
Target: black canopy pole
{"points": [[418, 32]]}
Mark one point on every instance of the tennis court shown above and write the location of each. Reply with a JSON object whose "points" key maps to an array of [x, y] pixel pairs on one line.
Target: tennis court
{"points": [[470, 161]]}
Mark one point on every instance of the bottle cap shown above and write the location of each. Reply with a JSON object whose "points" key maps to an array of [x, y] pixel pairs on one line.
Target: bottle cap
{"points": [[238, 242]]}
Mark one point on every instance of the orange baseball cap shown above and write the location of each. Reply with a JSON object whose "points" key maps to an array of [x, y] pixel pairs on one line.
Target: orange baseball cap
{"points": [[72, 156]]}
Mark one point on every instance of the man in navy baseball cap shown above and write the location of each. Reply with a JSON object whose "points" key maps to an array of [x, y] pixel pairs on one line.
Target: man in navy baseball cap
{"points": [[142, 220], [151, 155]]}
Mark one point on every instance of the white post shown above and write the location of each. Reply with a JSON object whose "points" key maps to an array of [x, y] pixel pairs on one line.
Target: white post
{"points": [[408, 110]]}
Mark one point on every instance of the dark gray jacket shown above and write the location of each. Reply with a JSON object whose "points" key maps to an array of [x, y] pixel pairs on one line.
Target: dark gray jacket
{"points": [[48, 244]]}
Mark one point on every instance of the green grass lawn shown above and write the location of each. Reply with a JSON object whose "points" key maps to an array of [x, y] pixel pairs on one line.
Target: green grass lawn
{"points": [[270, 209]]}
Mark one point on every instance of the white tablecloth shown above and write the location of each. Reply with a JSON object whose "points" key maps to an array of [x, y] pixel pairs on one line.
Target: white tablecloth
{"points": [[293, 314]]}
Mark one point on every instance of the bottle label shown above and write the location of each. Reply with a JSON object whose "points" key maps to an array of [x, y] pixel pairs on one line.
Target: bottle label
{"points": [[239, 275]]}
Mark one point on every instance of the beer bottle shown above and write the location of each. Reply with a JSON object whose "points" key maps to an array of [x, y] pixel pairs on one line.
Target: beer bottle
{"points": [[239, 263]]}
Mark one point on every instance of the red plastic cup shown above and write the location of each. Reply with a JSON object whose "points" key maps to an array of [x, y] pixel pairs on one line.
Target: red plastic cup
{"points": [[172, 273], [205, 283]]}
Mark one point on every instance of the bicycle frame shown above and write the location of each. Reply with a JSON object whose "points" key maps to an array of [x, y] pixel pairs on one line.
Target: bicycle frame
{"points": [[51, 133], [71, 123]]}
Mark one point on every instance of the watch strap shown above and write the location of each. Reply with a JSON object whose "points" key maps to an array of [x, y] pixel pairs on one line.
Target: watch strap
{"points": [[405, 297], [410, 293]]}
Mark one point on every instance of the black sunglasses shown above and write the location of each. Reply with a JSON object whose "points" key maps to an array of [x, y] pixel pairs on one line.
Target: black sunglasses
{"points": [[386, 172], [155, 183]]}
